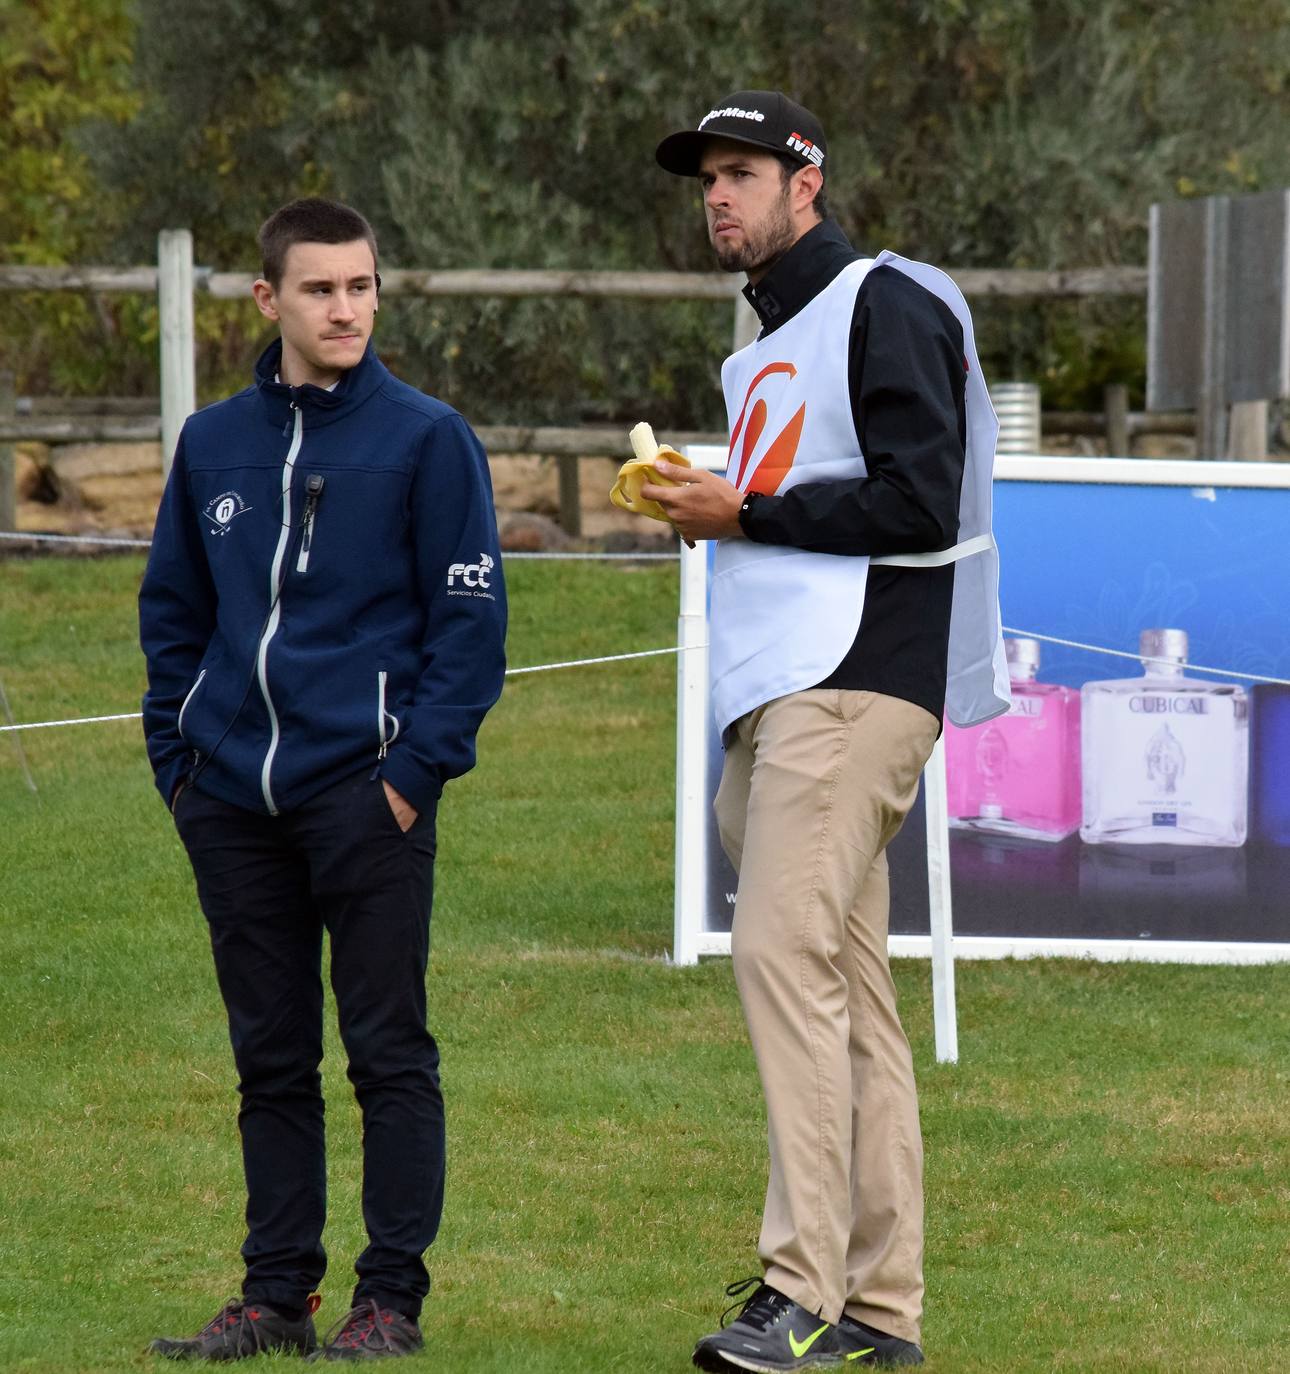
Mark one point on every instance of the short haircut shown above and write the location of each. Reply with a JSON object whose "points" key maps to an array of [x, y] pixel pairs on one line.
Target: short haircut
{"points": [[311, 220], [787, 166]]}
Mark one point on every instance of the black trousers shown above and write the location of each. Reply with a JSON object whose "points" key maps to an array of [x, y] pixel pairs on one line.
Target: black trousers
{"points": [[269, 886]]}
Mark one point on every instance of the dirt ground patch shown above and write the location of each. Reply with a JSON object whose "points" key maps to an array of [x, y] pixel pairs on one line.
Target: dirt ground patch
{"points": [[113, 490]]}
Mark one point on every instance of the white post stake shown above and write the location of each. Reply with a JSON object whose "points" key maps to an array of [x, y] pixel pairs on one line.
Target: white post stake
{"points": [[175, 306], [944, 1015], [691, 756]]}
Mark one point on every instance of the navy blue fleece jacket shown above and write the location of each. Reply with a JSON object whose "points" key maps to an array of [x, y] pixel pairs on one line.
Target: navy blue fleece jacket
{"points": [[324, 593]]}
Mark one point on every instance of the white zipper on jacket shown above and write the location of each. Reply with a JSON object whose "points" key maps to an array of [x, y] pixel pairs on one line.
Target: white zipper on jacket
{"points": [[382, 716], [275, 615], [192, 691]]}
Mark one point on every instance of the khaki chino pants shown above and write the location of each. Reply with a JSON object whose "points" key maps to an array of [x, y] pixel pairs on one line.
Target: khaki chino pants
{"points": [[815, 786]]}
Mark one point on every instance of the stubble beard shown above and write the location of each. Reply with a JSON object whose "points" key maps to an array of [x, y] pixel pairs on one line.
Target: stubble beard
{"points": [[762, 244]]}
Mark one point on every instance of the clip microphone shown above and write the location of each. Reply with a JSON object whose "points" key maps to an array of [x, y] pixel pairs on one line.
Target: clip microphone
{"points": [[314, 484]]}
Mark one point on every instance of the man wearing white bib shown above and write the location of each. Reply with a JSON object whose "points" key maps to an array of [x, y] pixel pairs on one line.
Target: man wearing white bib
{"points": [[854, 600]]}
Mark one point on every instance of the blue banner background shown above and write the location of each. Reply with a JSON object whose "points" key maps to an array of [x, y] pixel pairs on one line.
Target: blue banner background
{"points": [[1097, 563]]}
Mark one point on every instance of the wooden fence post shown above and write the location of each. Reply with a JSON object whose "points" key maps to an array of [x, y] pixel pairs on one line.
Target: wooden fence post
{"points": [[570, 494], [178, 368], [1115, 401], [8, 492]]}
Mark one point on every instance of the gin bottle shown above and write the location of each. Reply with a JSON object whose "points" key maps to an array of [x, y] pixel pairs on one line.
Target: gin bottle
{"points": [[1019, 774], [1166, 756]]}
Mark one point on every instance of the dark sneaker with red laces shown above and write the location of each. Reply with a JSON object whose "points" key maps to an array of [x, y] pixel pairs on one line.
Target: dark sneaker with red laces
{"points": [[771, 1333], [861, 1344], [369, 1331], [243, 1328]]}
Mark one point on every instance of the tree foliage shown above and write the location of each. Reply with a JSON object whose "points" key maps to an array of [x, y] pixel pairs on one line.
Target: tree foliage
{"points": [[1023, 133], [62, 63]]}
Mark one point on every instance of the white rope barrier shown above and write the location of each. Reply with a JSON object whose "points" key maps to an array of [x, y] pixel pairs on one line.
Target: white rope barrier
{"points": [[76, 539], [608, 658], [579, 557], [677, 649], [77, 720], [510, 672]]}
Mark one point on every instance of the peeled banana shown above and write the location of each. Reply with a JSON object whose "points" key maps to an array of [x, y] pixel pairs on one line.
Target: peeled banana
{"points": [[635, 472]]}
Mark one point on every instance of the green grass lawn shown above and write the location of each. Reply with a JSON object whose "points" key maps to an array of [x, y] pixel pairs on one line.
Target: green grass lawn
{"points": [[1108, 1168]]}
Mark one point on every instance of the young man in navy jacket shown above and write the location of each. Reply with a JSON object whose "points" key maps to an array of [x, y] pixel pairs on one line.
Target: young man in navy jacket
{"points": [[323, 617]]}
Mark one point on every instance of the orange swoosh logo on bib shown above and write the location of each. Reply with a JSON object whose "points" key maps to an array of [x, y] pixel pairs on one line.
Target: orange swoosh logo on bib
{"points": [[774, 467], [778, 458]]}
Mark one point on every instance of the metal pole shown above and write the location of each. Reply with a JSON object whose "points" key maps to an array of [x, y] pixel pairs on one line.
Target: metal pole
{"points": [[175, 304], [8, 493], [1211, 422], [944, 1011]]}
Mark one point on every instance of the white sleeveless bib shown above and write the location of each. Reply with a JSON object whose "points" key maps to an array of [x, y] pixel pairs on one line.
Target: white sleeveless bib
{"points": [[783, 619]]}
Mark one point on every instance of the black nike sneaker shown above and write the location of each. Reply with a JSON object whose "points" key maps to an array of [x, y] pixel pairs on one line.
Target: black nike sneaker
{"points": [[240, 1329], [770, 1334], [861, 1344], [369, 1331]]}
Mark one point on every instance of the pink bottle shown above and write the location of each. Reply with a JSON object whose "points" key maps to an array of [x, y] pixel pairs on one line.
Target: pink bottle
{"points": [[1019, 774]]}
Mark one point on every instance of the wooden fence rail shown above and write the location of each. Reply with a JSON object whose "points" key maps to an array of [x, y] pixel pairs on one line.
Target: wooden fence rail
{"points": [[176, 281], [88, 405], [587, 441], [711, 286], [38, 420]]}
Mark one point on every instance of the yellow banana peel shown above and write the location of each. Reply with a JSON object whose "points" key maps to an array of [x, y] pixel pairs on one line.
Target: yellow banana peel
{"points": [[635, 472]]}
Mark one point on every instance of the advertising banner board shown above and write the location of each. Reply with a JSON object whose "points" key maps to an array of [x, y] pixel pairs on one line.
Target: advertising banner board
{"points": [[1115, 812]]}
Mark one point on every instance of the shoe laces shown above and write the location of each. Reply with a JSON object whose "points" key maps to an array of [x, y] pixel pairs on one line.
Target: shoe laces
{"points": [[759, 1310], [232, 1320], [355, 1329]]}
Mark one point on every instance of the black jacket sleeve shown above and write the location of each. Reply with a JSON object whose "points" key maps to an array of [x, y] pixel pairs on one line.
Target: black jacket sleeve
{"points": [[907, 381]]}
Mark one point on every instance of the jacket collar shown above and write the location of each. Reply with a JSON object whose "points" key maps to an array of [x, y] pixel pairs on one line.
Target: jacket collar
{"points": [[321, 407], [800, 275]]}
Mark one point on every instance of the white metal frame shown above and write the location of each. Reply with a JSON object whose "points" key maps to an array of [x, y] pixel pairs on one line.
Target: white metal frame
{"points": [[1140, 472], [689, 940]]}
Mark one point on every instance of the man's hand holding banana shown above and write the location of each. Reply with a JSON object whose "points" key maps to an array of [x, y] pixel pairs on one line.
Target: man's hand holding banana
{"points": [[702, 506], [699, 504]]}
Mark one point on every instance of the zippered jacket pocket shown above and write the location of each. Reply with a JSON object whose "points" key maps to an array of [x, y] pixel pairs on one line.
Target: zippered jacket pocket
{"points": [[192, 692], [387, 725]]}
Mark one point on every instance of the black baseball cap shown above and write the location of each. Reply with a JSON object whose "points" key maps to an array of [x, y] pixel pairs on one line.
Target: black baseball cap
{"points": [[763, 119]]}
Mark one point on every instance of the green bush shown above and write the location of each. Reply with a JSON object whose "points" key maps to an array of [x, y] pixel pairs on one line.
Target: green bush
{"points": [[1021, 133]]}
